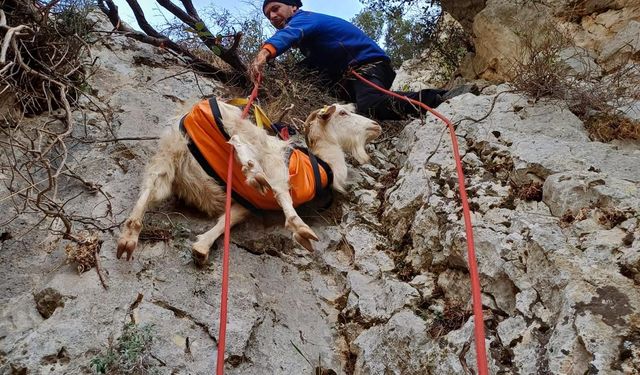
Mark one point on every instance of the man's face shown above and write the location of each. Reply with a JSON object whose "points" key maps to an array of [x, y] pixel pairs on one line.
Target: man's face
{"points": [[279, 13]]}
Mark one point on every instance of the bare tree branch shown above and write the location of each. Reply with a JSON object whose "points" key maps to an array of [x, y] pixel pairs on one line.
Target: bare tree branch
{"points": [[193, 20], [155, 38], [142, 21]]}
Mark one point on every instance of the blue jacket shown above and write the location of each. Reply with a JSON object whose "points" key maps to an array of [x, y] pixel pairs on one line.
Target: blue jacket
{"points": [[330, 44]]}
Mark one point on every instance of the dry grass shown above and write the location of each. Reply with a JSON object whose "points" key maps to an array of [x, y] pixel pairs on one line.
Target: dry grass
{"points": [[285, 84], [606, 127], [569, 217], [453, 317], [610, 217]]}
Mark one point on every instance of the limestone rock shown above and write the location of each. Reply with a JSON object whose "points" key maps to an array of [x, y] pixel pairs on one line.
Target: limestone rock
{"points": [[378, 299]]}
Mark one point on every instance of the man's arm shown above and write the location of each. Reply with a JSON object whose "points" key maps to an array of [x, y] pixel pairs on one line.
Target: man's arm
{"points": [[258, 63], [280, 42]]}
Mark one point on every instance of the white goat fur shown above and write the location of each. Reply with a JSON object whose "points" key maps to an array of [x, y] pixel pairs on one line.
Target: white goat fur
{"points": [[173, 170]]}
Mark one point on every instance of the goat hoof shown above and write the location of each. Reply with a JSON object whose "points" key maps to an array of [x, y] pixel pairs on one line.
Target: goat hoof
{"points": [[303, 236], [128, 240], [200, 255], [304, 242], [126, 245]]}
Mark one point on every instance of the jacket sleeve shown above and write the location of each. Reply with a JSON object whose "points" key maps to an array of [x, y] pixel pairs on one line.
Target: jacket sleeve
{"points": [[297, 29]]}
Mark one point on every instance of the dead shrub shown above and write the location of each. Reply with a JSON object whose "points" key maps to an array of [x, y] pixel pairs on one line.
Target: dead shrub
{"points": [[543, 71], [453, 317], [606, 127], [43, 68], [285, 84], [531, 191], [539, 72]]}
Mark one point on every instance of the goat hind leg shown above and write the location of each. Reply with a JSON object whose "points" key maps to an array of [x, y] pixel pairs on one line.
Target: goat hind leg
{"points": [[200, 249], [251, 168], [156, 187]]}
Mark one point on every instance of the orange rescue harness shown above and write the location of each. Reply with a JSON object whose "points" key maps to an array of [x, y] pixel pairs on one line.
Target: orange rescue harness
{"points": [[208, 144]]}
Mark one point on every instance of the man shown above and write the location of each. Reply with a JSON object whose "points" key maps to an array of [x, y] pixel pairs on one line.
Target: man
{"points": [[332, 46]]}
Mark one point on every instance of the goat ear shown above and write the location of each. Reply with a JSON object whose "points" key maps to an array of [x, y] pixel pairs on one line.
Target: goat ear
{"points": [[325, 113]]}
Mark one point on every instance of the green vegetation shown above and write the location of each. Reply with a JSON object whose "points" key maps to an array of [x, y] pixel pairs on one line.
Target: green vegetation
{"points": [[130, 355], [415, 29]]}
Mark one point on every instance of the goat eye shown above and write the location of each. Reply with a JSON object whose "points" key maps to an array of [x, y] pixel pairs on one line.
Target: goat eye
{"points": [[343, 113]]}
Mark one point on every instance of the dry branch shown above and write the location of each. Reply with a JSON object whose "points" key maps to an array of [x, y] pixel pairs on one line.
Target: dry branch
{"points": [[190, 18], [41, 73]]}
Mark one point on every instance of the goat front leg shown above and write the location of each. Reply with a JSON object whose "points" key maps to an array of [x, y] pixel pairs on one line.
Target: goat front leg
{"points": [[301, 231], [201, 248], [156, 187], [251, 168]]}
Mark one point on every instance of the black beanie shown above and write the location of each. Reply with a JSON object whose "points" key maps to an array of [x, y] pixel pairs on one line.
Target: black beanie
{"points": [[297, 3]]}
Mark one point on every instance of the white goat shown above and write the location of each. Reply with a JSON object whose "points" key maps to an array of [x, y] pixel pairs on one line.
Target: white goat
{"points": [[330, 133]]}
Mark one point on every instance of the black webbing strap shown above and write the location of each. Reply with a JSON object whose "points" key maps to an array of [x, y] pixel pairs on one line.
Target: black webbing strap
{"points": [[324, 195], [217, 116]]}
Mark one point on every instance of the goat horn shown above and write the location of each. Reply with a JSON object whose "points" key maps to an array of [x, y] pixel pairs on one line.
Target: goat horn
{"points": [[286, 110], [301, 127]]}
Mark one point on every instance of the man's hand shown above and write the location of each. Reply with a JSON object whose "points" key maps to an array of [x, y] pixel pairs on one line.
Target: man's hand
{"points": [[258, 63]]}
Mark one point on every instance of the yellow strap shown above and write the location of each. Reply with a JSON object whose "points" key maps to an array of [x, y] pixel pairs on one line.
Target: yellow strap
{"points": [[261, 118], [238, 101]]}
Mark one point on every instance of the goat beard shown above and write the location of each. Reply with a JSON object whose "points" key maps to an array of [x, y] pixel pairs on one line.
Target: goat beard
{"points": [[360, 154]]}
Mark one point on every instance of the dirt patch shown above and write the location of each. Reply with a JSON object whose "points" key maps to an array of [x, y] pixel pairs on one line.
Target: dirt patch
{"points": [[47, 301]]}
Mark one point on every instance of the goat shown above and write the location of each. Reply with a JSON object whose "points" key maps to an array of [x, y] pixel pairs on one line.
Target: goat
{"points": [[330, 133]]}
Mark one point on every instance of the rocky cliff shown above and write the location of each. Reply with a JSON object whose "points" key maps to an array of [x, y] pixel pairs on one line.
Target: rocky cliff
{"points": [[606, 32], [555, 216]]}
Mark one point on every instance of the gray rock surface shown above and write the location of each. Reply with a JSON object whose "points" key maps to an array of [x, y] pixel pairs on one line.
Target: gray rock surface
{"points": [[387, 289]]}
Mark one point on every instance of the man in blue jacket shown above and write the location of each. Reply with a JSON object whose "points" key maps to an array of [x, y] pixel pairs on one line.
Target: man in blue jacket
{"points": [[332, 46]]}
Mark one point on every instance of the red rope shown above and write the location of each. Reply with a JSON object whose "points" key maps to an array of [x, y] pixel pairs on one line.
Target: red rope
{"points": [[222, 333], [481, 352]]}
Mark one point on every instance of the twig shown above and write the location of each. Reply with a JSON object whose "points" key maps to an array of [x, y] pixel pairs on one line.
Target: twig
{"points": [[98, 268], [118, 139]]}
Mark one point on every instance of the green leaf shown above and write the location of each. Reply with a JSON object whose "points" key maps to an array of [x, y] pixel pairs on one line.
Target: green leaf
{"points": [[200, 26], [299, 352], [190, 30], [216, 50]]}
